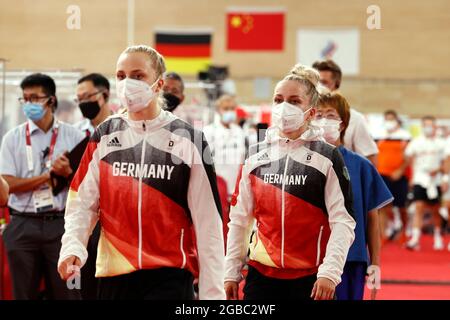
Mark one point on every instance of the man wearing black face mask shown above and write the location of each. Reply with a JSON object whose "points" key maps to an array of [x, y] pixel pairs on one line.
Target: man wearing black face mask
{"points": [[173, 91], [92, 99]]}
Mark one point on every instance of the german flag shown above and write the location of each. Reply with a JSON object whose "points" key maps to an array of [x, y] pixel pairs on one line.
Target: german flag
{"points": [[185, 52]]}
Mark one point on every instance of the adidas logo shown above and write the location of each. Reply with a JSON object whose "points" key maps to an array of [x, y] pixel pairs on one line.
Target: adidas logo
{"points": [[114, 143], [263, 157]]}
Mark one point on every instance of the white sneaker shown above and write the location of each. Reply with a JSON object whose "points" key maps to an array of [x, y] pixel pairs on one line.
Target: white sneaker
{"points": [[438, 244], [413, 244]]}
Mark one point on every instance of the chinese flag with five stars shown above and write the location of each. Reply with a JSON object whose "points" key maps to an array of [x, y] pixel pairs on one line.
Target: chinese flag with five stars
{"points": [[256, 29]]}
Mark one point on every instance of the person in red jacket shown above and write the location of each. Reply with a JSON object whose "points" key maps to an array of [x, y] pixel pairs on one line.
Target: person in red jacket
{"points": [[150, 177], [297, 190]]}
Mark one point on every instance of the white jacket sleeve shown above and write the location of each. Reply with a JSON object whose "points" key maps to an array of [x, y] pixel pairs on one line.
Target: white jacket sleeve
{"points": [[82, 207], [240, 227], [339, 203], [205, 207]]}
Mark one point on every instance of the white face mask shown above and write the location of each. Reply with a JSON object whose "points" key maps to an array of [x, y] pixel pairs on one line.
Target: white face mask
{"points": [[331, 129], [390, 125], [134, 94], [228, 117], [428, 131], [288, 117]]}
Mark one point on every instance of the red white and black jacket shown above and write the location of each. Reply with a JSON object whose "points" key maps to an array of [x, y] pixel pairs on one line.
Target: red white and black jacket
{"points": [[299, 194], [153, 187]]}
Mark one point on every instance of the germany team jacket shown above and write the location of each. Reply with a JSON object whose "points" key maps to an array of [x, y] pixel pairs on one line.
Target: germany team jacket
{"points": [[153, 187], [299, 194]]}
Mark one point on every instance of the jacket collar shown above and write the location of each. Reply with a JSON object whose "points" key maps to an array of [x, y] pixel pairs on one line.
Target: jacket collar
{"points": [[313, 133], [160, 121]]}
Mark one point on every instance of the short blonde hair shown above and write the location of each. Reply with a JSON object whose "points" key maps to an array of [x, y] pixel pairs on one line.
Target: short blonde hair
{"points": [[223, 98], [308, 77], [156, 59]]}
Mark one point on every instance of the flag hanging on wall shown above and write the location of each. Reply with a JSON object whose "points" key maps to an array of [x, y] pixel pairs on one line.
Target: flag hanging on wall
{"points": [[340, 44], [255, 28], [185, 51]]}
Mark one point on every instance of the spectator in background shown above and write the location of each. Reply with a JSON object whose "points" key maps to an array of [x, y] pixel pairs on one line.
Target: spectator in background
{"points": [[370, 194], [227, 141], [195, 114], [173, 91], [28, 154], [4, 191], [357, 137], [392, 166], [446, 183], [426, 154], [92, 99]]}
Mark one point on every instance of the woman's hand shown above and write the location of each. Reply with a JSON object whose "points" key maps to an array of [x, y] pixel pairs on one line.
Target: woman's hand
{"points": [[71, 265], [323, 289], [231, 290]]}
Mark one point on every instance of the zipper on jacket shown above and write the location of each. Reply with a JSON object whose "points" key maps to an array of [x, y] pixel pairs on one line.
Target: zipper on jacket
{"points": [[140, 200], [318, 245], [283, 209], [182, 249]]}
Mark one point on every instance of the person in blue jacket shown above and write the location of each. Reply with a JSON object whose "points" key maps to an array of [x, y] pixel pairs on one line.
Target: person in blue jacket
{"points": [[370, 194]]}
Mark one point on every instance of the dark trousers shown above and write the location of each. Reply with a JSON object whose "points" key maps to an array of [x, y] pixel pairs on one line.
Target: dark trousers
{"points": [[154, 284], [259, 287], [32, 246], [89, 283]]}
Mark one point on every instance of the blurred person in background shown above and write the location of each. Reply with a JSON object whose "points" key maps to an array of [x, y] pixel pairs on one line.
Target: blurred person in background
{"points": [[173, 92], [92, 99], [426, 153], [227, 141], [393, 167], [29, 153], [357, 137], [370, 194], [446, 183]]}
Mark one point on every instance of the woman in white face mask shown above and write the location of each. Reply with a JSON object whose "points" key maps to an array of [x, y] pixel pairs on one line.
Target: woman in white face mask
{"points": [[296, 189], [148, 177], [370, 194]]}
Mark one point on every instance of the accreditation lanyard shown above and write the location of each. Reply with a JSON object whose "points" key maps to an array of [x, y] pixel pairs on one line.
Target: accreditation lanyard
{"points": [[30, 150]]}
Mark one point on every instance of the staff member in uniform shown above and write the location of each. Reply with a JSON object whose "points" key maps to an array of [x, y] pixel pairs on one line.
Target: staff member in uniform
{"points": [[148, 177], [28, 154], [227, 141], [298, 190]]}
